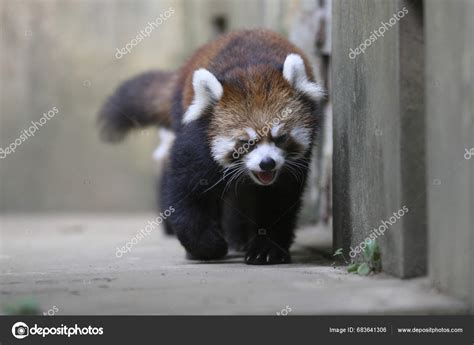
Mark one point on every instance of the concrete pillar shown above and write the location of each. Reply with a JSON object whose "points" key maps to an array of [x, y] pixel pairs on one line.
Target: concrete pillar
{"points": [[379, 136], [450, 132]]}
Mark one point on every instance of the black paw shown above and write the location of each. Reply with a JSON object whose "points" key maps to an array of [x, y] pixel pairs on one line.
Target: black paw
{"points": [[266, 252], [209, 248]]}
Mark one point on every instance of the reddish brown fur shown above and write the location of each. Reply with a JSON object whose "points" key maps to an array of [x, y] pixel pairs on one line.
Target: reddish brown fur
{"points": [[205, 57], [265, 97], [160, 94], [255, 91]]}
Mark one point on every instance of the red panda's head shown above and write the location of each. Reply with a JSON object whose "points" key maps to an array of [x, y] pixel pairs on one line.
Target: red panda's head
{"points": [[262, 118]]}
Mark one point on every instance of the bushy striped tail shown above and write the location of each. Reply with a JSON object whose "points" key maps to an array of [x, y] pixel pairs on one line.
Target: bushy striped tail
{"points": [[142, 101]]}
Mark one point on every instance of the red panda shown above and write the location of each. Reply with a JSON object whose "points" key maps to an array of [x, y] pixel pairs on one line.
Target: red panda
{"points": [[245, 110]]}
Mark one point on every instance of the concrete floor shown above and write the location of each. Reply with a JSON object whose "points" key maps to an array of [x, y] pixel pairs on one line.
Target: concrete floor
{"points": [[69, 262]]}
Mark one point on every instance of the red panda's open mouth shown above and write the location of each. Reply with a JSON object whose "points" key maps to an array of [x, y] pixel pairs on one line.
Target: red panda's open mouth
{"points": [[264, 177]]}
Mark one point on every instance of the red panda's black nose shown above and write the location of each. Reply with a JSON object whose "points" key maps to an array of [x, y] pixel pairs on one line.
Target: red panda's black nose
{"points": [[267, 164]]}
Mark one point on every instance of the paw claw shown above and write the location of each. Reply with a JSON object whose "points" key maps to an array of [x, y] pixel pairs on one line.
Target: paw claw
{"points": [[266, 252]]}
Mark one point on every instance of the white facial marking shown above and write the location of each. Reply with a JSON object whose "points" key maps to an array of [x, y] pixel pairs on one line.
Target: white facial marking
{"points": [[251, 132], [302, 135], [295, 73], [276, 129], [261, 151], [221, 147], [207, 90]]}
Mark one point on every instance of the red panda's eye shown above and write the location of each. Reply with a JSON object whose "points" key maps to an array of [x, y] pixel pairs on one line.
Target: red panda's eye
{"points": [[281, 139], [243, 141]]}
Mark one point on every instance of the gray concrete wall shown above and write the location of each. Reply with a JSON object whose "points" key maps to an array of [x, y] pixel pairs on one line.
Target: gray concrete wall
{"points": [[450, 118], [378, 116], [62, 54]]}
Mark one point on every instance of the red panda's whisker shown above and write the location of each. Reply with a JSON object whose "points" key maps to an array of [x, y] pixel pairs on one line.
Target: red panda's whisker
{"points": [[225, 172], [234, 175], [296, 171], [240, 177], [292, 172]]}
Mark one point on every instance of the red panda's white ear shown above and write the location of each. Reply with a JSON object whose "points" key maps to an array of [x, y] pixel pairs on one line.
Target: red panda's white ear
{"points": [[295, 73], [207, 90]]}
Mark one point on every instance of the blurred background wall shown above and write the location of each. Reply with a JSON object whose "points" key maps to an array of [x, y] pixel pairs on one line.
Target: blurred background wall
{"points": [[62, 54]]}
